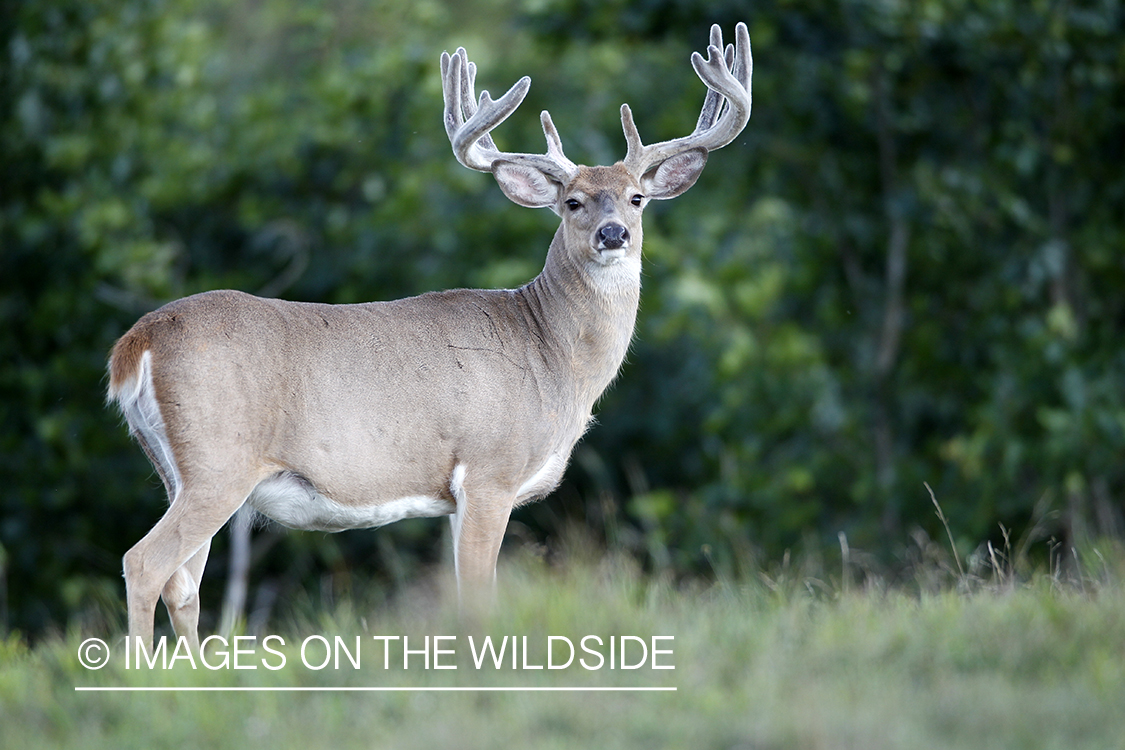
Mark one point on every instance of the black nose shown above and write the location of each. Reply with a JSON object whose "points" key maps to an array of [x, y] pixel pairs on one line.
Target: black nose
{"points": [[613, 236]]}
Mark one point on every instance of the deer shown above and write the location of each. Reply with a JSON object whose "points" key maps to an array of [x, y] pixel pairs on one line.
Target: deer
{"points": [[463, 403]]}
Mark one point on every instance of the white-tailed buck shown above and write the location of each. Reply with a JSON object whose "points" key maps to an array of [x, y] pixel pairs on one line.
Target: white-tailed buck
{"points": [[461, 403]]}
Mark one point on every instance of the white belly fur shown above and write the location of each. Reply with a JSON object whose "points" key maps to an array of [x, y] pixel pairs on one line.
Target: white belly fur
{"points": [[293, 502], [543, 481]]}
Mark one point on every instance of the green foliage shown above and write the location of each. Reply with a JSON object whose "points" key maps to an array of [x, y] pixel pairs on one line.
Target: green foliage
{"points": [[907, 269]]}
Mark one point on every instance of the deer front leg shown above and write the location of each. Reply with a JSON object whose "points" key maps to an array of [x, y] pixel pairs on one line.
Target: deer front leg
{"points": [[478, 527]]}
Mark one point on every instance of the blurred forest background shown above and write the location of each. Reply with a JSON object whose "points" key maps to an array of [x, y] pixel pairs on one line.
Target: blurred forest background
{"points": [[909, 269]]}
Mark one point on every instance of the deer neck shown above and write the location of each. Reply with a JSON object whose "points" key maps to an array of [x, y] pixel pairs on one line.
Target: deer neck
{"points": [[587, 311]]}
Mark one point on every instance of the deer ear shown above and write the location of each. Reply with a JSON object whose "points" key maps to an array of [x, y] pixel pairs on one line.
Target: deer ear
{"points": [[674, 175], [526, 185]]}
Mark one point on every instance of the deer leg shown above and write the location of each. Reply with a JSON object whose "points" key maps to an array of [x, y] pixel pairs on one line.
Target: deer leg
{"points": [[181, 596], [478, 525], [170, 558]]}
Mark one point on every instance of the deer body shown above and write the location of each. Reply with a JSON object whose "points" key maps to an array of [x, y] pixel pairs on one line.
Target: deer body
{"points": [[463, 403], [501, 379]]}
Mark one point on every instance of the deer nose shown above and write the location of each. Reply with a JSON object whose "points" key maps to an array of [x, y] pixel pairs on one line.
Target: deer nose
{"points": [[612, 236]]}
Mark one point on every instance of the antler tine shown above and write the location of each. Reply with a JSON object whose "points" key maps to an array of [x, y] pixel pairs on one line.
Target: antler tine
{"points": [[709, 115], [743, 67], [632, 137], [554, 142], [727, 72], [713, 102], [469, 123]]}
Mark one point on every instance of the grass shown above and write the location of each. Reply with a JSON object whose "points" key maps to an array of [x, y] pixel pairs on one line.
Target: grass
{"points": [[770, 664]]}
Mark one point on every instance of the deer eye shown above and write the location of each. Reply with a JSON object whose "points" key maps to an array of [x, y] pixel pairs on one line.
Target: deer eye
{"points": [[637, 200], [573, 205]]}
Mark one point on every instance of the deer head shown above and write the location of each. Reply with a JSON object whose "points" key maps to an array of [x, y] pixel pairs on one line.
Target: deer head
{"points": [[600, 207]]}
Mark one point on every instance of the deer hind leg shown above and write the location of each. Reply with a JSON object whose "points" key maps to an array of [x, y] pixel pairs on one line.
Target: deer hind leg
{"points": [[478, 526], [169, 559], [181, 596]]}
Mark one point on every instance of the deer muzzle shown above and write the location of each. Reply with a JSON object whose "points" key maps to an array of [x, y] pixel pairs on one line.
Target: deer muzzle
{"points": [[612, 237]]}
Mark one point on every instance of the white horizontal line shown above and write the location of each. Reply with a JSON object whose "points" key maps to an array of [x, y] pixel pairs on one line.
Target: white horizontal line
{"points": [[371, 689]]}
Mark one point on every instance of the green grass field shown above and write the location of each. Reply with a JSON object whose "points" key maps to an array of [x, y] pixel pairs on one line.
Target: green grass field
{"points": [[780, 661]]}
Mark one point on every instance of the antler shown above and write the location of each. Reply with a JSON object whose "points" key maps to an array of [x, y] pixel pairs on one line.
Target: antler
{"points": [[468, 123], [726, 109]]}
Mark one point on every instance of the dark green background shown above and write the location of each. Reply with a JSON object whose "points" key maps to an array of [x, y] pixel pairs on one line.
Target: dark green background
{"points": [[909, 268]]}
